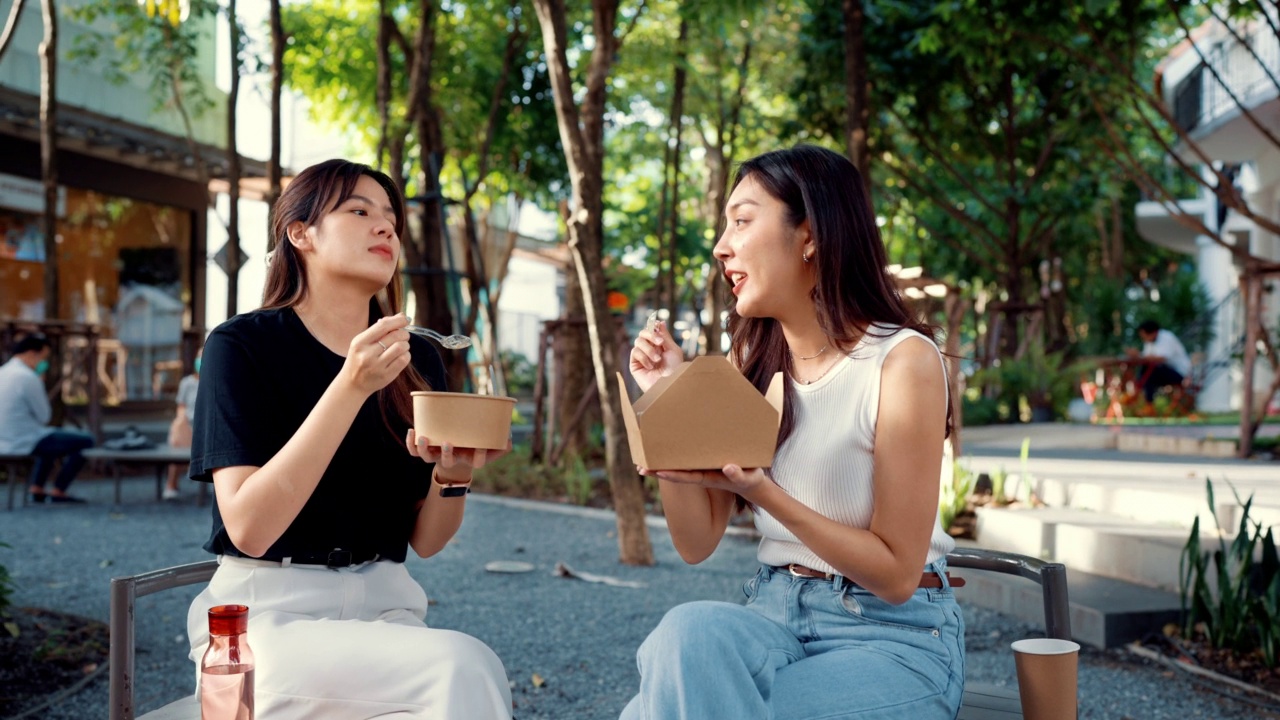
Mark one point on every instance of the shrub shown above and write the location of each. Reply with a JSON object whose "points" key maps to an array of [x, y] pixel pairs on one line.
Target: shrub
{"points": [[1243, 612], [955, 495]]}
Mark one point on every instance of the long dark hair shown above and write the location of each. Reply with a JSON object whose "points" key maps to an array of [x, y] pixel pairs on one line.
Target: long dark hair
{"points": [[311, 195], [853, 289]]}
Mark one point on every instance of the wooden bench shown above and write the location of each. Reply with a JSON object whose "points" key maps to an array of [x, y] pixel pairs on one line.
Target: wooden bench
{"points": [[981, 701], [17, 470], [159, 458]]}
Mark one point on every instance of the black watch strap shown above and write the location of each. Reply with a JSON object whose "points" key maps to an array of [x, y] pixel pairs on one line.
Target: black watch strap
{"points": [[454, 490]]}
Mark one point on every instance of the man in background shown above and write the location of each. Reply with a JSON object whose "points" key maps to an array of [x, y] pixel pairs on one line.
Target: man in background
{"points": [[24, 418], [1165, 353]]}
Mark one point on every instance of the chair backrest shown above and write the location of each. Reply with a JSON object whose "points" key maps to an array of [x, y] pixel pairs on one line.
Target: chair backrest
{"points": [[1051, 576], [124, 593]]}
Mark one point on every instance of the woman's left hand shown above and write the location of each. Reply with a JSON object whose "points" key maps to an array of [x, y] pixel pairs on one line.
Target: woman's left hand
{"points": [[730, 477], [452, 463]]}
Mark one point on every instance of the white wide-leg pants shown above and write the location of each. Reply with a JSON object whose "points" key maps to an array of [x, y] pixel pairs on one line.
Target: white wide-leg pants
{"points": [[350, 644]]}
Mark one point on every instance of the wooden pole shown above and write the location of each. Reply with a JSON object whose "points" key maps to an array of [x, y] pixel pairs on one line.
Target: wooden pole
{"points": [[1252, 322]]}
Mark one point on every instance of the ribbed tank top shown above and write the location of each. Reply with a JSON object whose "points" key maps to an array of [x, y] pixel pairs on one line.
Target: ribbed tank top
{"points": [[827, 463]]}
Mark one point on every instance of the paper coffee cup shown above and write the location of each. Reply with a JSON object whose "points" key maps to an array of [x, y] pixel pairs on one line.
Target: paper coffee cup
{"points": [[463, 420], [1047, 677]]}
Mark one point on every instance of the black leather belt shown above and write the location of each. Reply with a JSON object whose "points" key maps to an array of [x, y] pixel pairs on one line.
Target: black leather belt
{"points": [[333, 559]]}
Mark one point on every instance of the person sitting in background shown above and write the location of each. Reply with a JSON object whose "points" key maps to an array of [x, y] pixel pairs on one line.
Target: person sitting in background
{"points": [[24, 418], [180, 428], [1164, 351]]}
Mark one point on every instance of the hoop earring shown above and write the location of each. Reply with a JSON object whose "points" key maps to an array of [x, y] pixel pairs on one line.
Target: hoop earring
{"points": [[804, 257]]}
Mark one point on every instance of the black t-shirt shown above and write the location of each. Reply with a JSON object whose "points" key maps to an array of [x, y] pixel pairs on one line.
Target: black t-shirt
{"points": [[261, 375]]}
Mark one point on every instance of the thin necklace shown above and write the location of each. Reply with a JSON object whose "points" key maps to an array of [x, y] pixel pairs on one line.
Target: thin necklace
{"points": [[822, 374], [810, 357]]}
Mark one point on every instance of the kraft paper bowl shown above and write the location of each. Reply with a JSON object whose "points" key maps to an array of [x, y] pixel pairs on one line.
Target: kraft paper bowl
{"points": [[463, 420]]}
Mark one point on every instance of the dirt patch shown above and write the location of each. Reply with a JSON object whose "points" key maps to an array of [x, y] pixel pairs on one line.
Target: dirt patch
{"points": [[50, 651]]}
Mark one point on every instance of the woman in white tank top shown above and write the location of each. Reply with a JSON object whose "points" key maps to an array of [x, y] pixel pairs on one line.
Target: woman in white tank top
{"points": [[851, 614]]}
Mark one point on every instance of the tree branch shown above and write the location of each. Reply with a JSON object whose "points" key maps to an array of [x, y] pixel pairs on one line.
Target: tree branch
{"points": [[10, 25], [1244, 109], [1245, 43], [939, 199], [495, 104], [630, 26], [941, 158]]}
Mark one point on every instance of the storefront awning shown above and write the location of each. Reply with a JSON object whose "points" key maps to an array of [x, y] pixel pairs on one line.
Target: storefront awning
{"points": [[116, 140]]}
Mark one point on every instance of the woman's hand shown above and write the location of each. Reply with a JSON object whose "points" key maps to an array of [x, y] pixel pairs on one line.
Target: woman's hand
{"points": [[453, 464], [731, 478], [377, 355], [654, 356]]}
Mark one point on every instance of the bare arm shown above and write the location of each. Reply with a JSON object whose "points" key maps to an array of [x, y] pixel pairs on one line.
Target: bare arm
{"points": [[696, 517], [259, 503]]}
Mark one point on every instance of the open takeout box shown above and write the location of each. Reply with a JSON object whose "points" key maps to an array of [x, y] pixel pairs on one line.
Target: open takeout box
{"points": [[703, 416]]}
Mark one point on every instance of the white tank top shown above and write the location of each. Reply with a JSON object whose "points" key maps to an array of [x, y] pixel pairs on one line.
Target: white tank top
{"points": [[827, 462]]}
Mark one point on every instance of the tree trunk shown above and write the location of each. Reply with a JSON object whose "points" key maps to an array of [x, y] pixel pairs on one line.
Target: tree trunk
{"points": [[233, 168], [49, 178], [667, 267], [573, 365], [855, 77], [715, 302], [49, 160], [1251, 291], [582, 135], [277, 86], [382, 86]]}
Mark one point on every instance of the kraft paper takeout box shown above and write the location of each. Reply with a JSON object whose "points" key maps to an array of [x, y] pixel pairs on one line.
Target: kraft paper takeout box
{"points": [[703, 416], [462, 419]]}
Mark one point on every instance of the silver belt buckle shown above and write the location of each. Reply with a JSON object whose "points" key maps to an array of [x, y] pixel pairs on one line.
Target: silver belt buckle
{"points": [[791, 568]]}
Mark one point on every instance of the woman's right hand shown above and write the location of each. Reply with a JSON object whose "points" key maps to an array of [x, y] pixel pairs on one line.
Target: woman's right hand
{"points": [[377, 355], [654, 356]]}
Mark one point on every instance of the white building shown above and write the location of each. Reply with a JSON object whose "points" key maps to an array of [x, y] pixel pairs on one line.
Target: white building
{"points": [[1215, 122]]}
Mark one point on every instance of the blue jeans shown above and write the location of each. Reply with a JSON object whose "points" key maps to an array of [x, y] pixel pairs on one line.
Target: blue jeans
{"points": [[804, 648], [66, 444]]}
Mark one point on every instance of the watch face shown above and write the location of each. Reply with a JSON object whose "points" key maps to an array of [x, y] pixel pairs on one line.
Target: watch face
{"points": [[454, 490]]}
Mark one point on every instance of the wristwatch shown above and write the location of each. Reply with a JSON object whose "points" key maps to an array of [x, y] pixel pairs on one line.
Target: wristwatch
{"points": [[451, 489], [454, 490]]}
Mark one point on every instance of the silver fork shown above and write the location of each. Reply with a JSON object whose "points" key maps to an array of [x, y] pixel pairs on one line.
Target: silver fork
{"points": [[449, 342]]}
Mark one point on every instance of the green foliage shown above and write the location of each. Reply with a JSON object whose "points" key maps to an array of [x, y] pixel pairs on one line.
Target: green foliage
{"points": [[1232, 593], [1038, 378], [516, 475], [7, 587], [1111, 310], [577, 481], [955, 495], [979, 409], [122, 41], [520, 373]]}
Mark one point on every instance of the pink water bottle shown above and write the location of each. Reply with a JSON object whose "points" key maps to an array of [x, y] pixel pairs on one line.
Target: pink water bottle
{"points": [[226, 670]]}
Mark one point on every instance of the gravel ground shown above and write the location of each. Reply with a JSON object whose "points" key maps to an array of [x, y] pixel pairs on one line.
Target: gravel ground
{"points": [[579, 637]]}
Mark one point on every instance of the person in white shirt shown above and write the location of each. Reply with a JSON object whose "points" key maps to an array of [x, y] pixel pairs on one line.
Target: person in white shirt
{"points": [[851, 611], [180, 428], [24, 418], [1164, 351]]}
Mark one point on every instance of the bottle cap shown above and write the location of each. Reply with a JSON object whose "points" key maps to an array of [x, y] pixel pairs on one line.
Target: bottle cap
{"points": [[228, 619]]}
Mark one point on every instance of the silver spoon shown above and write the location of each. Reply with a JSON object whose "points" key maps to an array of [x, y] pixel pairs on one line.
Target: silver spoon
{"points": [[449, 342]]}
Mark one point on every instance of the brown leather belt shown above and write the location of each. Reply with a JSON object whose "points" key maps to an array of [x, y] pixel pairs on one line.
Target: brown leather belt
{"points": [[929, 580]]}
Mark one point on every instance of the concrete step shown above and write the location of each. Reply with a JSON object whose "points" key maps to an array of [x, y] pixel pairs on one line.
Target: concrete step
{"points": [[1099, 543], [1104, 612], [1160, 504]]}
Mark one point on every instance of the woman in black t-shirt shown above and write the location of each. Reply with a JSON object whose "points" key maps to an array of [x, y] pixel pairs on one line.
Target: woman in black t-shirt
{"points": [[303, 425]]}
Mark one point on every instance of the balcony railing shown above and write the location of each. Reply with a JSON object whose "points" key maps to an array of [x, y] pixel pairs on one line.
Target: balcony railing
{"points": [[1200, 98]]}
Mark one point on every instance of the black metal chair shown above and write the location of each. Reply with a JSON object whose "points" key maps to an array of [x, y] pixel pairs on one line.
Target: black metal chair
{"points": [[981, 701]]}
